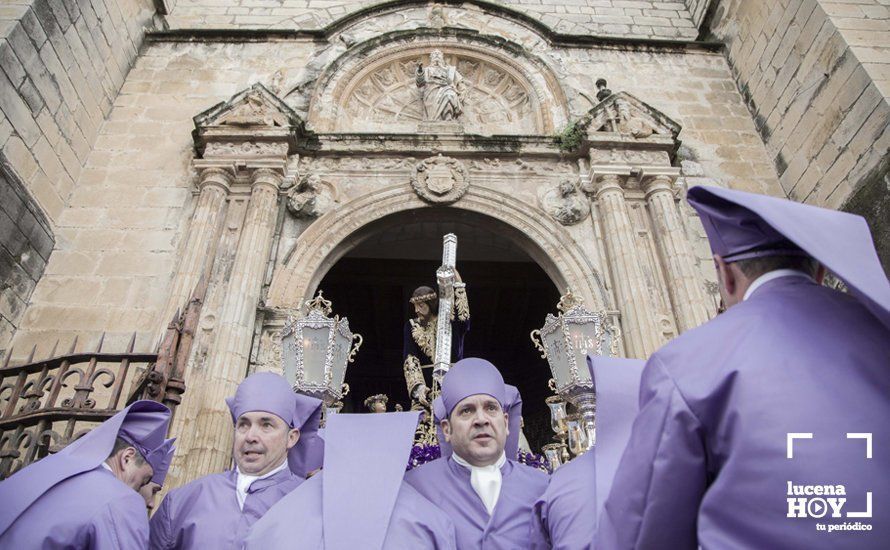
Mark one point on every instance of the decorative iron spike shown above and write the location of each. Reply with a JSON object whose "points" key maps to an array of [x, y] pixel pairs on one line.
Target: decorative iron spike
{"points": [[52, 353], [73, 346], [132, 343], [101, 341], [8, 357], [30, 358]]}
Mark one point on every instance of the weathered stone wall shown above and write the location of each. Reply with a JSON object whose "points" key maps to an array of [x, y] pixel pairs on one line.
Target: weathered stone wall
{"points": [[637, 18], [62, 66], [816, 77], [26, 242]]}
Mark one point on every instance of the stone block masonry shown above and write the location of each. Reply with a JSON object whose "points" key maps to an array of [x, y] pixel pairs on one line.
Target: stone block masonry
{"points": [[62, 66], [625, 18]]}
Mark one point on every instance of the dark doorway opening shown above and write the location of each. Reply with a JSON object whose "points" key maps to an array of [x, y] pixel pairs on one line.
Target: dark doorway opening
{"points": [[509, 295]]}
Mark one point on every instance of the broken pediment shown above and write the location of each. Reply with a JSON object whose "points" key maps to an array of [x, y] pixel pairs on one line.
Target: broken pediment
{"points": [[252, 115], [624, 114]]}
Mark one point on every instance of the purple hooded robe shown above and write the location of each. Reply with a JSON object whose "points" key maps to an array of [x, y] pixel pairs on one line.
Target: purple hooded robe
{"points": [[69, 500], [205, 512], [764, 398], [446, 483], [565, 515], [359, 500]]}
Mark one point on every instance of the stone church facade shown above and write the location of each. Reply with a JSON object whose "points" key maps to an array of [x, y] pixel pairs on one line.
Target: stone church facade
{"points": [[252, 144]]}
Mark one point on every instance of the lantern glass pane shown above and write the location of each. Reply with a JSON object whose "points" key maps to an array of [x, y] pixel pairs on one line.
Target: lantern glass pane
{"points": [[583, 341], [340, 353], [315, 347], [557, 356], [289, 358]]}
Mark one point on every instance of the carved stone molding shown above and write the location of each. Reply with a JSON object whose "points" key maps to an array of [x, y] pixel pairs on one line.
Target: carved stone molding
{"points": [[440, 180], [329, 237]]}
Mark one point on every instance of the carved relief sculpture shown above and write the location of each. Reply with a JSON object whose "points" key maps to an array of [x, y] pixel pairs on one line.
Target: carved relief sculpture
{"points": [[441, 87], [311, 198], [565, 204], [440, 179]]}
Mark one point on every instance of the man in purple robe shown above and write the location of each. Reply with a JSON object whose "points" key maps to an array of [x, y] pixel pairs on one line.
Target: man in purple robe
{"points": [[487, 495], [359, 500], [276, 445], [756, 430], [564, 516], [161, 457], [85, 496]]}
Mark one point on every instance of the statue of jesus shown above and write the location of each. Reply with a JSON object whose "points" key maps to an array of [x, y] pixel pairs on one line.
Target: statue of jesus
{"points": [[441, 88]]}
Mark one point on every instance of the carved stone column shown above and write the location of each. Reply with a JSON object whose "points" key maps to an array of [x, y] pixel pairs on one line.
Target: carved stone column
{"points": [[641, 331], [684, 286], [228, 359], [203, 233]]}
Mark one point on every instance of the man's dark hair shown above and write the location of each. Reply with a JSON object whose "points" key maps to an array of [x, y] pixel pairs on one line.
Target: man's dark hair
{"points": [[755, 267], [121, 444]]}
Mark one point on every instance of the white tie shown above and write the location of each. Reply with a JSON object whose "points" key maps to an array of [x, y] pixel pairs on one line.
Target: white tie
{"points": [[485, 480]]}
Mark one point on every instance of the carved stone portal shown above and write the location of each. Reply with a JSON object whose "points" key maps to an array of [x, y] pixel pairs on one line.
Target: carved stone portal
{"points": [[440, 180]]}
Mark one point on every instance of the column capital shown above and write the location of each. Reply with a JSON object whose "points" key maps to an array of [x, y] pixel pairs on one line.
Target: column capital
{"points": [[658, 178], [605, 178], [266, 176], [221, 177]]}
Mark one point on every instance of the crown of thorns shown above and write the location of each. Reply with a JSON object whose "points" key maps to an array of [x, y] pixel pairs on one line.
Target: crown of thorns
{"points": [[423, 298]]}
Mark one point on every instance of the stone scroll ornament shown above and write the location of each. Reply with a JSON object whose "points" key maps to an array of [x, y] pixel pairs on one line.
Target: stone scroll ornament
{"points": [[440, 180]]}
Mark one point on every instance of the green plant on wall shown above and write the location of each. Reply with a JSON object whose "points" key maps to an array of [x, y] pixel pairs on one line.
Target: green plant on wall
{"points": [[570, 138]]}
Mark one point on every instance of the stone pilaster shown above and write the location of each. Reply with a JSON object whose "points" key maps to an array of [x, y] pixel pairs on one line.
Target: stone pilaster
{"points": [[641, 332], [203, 233], [684, 287], [210, 451]]}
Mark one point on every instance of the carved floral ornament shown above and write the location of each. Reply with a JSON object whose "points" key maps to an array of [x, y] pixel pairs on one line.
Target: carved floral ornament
{"points": [[440, 180], [565, 203]]}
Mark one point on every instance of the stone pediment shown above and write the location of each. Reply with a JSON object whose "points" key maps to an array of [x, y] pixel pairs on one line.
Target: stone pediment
{"points": [[627, 116], [254, 115]]}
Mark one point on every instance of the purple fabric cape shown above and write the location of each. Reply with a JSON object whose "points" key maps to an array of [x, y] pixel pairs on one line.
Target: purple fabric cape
{"points": [[359, 500], [270, 392], [88, 510], [446, 484], [512, 406], [160, 460], [707, 461], [143, 423], [742, 224], [565, 515], [205, 513]]}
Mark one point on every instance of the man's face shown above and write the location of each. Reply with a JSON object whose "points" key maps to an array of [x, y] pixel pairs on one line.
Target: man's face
{"points": [[133, 469], [422, 310], [149, 491], [262, 440], [477, 429]]}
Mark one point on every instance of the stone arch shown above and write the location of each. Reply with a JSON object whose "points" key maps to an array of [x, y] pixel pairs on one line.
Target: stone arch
{"points": [[333, 235], [332, 106]]}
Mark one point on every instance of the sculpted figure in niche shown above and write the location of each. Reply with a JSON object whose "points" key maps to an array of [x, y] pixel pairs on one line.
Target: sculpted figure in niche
{"points": [[441, 88], [565, 204]]}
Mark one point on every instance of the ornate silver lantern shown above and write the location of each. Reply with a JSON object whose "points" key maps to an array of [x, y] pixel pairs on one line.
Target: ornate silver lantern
{"points": [[317, 348], [565, 340]]}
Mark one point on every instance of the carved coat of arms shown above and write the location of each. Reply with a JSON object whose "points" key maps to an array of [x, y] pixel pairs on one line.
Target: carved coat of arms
{"points": [[440, 180]]}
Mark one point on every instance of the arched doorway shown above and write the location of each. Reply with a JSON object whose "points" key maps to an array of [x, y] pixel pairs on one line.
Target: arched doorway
{"points": [[509, 294]]}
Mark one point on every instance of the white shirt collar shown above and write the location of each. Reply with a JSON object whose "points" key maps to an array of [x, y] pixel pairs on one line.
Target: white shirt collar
{"points": [[107, 467], [769, 276], [242, 485], [485, 480]]}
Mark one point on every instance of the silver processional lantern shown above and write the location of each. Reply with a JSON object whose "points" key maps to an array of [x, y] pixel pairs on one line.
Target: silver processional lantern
{"points": [[565, 340], [318, 348]]}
